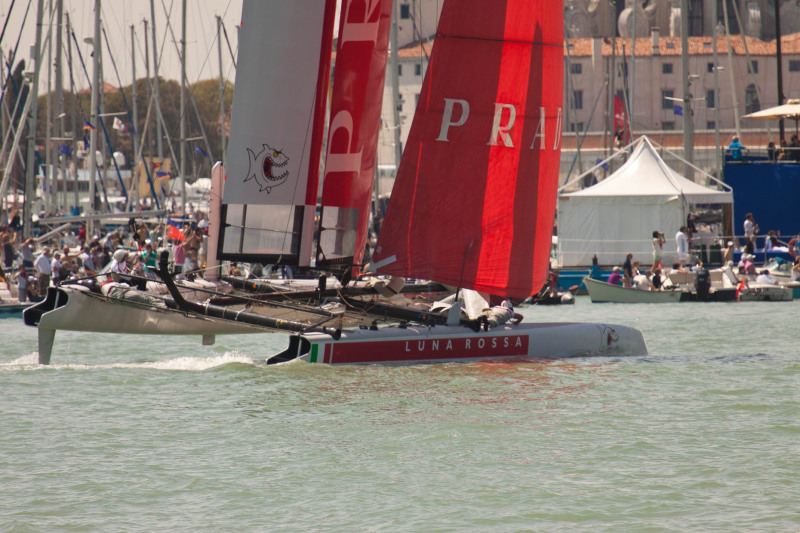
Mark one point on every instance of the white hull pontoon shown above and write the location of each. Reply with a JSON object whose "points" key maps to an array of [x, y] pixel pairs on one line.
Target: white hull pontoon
{"points": [[420, 344], [76, 308]]}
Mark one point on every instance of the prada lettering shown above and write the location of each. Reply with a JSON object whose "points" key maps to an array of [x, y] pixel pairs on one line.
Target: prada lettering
{"points": [[456, 115]]}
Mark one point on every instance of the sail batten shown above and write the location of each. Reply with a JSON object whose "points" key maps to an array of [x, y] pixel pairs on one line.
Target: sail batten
{"points": [[474, 200]]}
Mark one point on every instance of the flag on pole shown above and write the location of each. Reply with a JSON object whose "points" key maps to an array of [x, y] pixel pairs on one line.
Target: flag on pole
{"points": [[157, 164], [64, 149], [88, 125], [85, 142], [678, 110], [200, 150], [119, 125], [162, 174], [174, 233], [621, 129]]}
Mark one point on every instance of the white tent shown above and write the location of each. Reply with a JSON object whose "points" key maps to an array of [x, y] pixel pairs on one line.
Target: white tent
{"points": [[619, 214]]}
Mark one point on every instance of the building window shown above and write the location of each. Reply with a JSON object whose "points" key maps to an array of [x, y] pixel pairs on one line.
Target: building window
{"points": [[399, 70], [710, 68], [405, 11], [576, 126], [577, 99], [711, 99], [667, 126], [666, 68], [794, 65], [751, 102], [754, 67], [576, 68], [711, 125], [417, 69], [667, 104]]}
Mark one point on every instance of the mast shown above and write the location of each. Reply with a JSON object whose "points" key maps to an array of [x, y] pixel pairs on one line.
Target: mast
{"points": [[94, 118], [221, 90], [30, 175], [148, 86], [60, 115], [612, 92], [183, 108], [630, 95], [688, 123], [780, 61], [74, 106], [714, 16], [134, 163], [48, 178], [730, 68], [155, 80], [398, 149]]}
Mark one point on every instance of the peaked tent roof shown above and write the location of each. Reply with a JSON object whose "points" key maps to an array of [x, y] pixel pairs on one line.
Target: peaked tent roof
{"points": [[646, 174]]}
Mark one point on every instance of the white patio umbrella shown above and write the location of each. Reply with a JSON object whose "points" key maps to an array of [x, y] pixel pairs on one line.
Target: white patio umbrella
{"points": [[791, 109]]}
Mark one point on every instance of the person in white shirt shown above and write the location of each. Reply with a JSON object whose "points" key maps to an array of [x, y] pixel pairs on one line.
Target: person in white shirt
{"points": [[43, 270], [682, 245], [56, 267], [119, 265], [750, 226], [765, 278]]}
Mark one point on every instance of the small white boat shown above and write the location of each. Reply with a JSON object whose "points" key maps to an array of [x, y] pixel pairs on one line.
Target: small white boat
{"points": [[765, 292], [602, 292]]}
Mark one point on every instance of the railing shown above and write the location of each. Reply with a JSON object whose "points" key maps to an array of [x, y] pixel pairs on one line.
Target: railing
{"points": [[785, 155]]}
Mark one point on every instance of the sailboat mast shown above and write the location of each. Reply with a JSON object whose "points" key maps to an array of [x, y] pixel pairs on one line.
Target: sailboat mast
{"points": [[183, 108], [632, 90], [157, 97], [780, 61], [134, 164], [30, 177], [730, 67], [398, 150], [49, 178], [612, 89], [74, 106], [221, 90], [60, 115], [717, 161], [688, 125]]}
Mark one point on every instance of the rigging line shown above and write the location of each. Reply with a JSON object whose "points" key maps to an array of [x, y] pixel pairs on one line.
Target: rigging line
{"points": [[8, 17], [230, 49], [14, 54]]}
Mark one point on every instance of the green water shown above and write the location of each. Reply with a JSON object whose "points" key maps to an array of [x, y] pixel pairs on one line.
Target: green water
{"points": [[128, 433]]}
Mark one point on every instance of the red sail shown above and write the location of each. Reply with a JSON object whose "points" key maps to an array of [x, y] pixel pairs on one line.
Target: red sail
{"points": [[474, 201], [356, 100]]}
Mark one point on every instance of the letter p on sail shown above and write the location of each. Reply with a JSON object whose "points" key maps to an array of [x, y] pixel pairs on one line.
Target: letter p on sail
{"points": [[342, 161], [447, 117]]}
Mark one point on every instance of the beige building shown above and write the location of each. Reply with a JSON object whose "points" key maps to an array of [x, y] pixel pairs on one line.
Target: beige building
{"points": [[648, 80]]}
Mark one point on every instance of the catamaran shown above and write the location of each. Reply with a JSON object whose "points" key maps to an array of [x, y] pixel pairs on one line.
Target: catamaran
{"points": [[473, 203], [474, 200]]}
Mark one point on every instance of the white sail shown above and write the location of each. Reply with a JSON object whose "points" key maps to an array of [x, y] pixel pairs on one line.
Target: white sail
{"points": [[267, 202]]}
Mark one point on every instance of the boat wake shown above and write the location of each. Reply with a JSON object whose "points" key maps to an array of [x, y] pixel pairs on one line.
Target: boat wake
{"points": [[186, 363]]}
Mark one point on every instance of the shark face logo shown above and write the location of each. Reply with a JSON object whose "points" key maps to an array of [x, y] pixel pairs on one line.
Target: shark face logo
{"points": [[266, 167]]}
